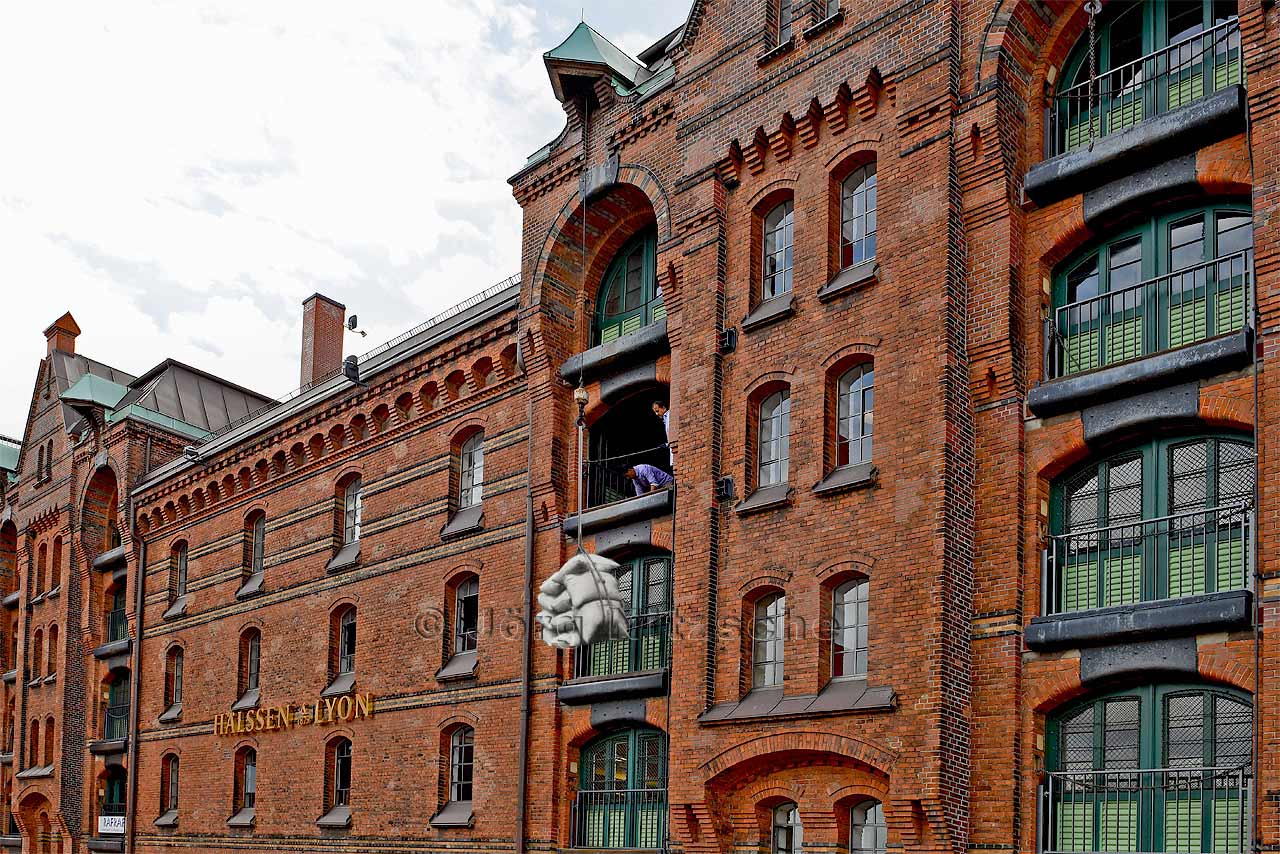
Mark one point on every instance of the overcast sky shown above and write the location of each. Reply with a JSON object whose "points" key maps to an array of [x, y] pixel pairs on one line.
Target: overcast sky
{"points": [[181, 175]]}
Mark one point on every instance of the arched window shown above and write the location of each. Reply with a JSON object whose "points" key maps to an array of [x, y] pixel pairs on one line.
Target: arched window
{"points": [[788, 832], [779, 249], [867, 831], [471, 472], [37, 653], [115, 721], [849, 607], [855, 415], [466, 621], [178, 570], [352, 510], [858, 216], [1162, 520], [52, 666], [255, 542], [48, 741], [245, 793], [622, 791], [250, 665], [55, 563], [339, 773], [113, 796], [42, 561], [173, 678], [1170, 732], [1151, 57], [775, 439], [169, 783], [33, 744], [629, 295], [1170, 281], [768, 634], [342, 651], [461, 763], [645, 584]]}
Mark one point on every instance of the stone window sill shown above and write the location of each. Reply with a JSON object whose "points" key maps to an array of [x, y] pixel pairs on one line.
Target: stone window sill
{"points": [[850, 279], [344, 683], [848, 477], [461, 666], [168, 819], [248, 700], [837, 697], [177, 609], [252, 586], [54, 593], [765, 498], [51, 678], [172, 714], [466, 521], [347, 556], [774, 52], [770, 311], [244, 818], [338, 818], [827, 23], [35, 772], [454, 814]]}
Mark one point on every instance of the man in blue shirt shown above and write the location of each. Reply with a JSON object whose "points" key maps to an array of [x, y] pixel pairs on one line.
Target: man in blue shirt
{"points": [[647, 478]]}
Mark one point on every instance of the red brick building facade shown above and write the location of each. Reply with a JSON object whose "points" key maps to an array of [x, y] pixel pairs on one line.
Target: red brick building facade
{"points": [[954, 536]]}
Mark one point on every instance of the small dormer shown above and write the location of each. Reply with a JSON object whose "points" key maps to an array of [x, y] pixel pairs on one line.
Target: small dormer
{"points": [[583, 58]]}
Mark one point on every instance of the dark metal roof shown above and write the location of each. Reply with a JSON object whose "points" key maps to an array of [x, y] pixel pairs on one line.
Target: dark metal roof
{"points": [[190, 395], [68, 368]]}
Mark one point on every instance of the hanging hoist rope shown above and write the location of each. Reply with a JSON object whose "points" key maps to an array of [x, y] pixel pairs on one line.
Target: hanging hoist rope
{"points": [[1093, 7], [581, 603]]}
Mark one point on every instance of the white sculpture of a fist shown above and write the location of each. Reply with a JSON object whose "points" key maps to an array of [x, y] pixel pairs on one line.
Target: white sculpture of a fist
{"points": [[581, 603]]}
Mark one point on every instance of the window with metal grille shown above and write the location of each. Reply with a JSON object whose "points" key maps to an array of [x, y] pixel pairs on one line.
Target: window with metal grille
{"points": [[461, 763], [858, 216], [779, 250], [768, 634], [775, 439], [471, 472]]}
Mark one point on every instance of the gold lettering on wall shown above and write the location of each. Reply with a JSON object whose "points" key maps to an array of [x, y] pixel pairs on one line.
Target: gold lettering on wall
{"points": [[326, 710]]}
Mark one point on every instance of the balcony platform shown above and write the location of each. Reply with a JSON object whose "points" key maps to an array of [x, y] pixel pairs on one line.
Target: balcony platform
{"points": [[648, 506], [1165, 618], [596, 689]]}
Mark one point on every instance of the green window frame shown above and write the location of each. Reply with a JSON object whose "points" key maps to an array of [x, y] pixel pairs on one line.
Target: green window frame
{"points": [[1131, 771], [630, 298], [1174, 280], [1136, 526], [1139, 78], [622, 789], [645, 584]]}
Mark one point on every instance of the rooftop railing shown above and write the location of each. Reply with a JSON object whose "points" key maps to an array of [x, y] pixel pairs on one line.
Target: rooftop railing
{"points": [[1158, 83], [1165, 313], [1185, 554], [1187, 810], [620, 818]]}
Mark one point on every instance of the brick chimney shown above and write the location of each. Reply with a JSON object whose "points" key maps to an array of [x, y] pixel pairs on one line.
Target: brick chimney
{"points": [[62, 333], [323, 325]]}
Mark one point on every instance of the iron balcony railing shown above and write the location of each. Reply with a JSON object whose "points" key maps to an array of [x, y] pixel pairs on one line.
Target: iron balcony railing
{"points": [[647, 648], [1185, 810], [620, 818], [607, 479], [1165, 313], [1185, 554], [1158, 83], [115, 723], [117, 625]]}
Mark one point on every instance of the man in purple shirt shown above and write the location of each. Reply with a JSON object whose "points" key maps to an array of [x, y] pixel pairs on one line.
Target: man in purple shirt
{"points": [[647, 478]]}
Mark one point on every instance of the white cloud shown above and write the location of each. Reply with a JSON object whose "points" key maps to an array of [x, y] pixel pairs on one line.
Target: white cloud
{"points": [[180, 175]]}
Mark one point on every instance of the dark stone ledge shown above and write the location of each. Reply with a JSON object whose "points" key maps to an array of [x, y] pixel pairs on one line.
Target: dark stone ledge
{"points": [[648, 506], [593, 689], [1192, 615], [629, 349]]}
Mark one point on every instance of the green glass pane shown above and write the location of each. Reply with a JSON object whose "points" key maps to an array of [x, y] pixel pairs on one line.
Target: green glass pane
{"points": [[1186, 570], [1229, 307], [1080, 588], [1124, 339], [1082, 351], [1185, 88], [1117, 826], [1182, 824], [1075, 827], [1230, 568], [1228, 824], [1122, 579], [1188, 322]]}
